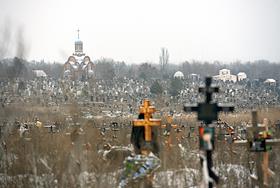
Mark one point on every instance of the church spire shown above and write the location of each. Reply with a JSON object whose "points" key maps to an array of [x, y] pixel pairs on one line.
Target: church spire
{"points": [[78, 45], [78, 33]]}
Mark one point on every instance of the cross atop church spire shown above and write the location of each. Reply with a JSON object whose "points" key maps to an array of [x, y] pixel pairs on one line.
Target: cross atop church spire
{"points": [[78, 45], [78, 33]]}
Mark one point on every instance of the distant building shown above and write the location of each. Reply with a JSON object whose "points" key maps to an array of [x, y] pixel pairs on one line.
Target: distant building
{"points": [[194, 77], [270, 81], [39, 73], [224, 75], [179, 74], [241, 76], [78, 66]]}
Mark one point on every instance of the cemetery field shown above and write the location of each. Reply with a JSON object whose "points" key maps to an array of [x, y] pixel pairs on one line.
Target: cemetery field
{"points": [[71, 149], [167, 94]]}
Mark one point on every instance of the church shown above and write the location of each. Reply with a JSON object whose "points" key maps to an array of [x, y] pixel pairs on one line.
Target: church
{"points": [[78, 66]]}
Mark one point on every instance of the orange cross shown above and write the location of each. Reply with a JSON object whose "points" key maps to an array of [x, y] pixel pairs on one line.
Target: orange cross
{"points": [[169, 121], [147, 122]]}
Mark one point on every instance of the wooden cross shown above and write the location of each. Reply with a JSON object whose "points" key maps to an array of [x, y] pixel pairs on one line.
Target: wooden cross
{"points": [[51, 128], [208, 112], [169, 123], [168, 127], [267, 172], [147, 122], [263, 171]]}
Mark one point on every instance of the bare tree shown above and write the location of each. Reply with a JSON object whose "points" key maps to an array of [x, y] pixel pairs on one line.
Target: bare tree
{"points": [[105, 69], [163, 61]]}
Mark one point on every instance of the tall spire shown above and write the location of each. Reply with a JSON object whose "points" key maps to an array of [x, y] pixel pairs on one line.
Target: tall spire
{"points": [[78, 33], [78, 45]]}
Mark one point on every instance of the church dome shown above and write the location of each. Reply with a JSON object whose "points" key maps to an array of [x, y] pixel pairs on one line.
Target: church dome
{"points": [[178, 74], [78, 66], [270, 80], [72, 60], [86, 60]]}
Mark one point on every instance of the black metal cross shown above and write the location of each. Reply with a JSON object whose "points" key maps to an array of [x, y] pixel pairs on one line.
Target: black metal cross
{"points": [[208, 111]]}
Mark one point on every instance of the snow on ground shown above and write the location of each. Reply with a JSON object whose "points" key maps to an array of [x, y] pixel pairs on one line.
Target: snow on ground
{"points": [[180, 178], [176, 178]]}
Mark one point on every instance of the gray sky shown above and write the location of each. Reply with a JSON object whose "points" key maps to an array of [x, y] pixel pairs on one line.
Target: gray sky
{"points": [[134, 31]]}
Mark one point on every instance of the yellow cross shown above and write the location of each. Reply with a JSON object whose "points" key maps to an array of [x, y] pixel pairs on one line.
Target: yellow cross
{"points": [[147, 122]]}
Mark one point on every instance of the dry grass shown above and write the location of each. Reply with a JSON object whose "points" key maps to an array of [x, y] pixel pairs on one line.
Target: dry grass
{"points": [[70, 152]]}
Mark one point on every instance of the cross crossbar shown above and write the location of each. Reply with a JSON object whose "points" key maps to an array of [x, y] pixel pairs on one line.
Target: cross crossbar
{"points": [[208, 111], [147, 122]]}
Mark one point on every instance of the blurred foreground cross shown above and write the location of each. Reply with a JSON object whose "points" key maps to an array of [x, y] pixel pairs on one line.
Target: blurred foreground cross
{"points": [[208, 112]]}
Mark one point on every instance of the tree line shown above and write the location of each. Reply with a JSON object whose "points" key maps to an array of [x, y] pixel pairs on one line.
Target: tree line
{"points": [[109, 69]]}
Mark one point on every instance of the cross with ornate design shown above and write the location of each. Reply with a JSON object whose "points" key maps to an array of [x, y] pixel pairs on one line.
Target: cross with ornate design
{"points": [[147, 122]]}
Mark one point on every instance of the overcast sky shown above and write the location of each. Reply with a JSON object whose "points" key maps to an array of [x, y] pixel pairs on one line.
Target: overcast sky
{"points": [[134, 31]]}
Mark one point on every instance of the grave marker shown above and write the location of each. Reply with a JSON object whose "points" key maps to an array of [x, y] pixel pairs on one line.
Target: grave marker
{"points": [[260, 144], [167, 130], [208, 112], [147, 122]]}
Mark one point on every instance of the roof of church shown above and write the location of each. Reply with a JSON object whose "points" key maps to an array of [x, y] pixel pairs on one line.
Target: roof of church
{"points": [[78, 41]]}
